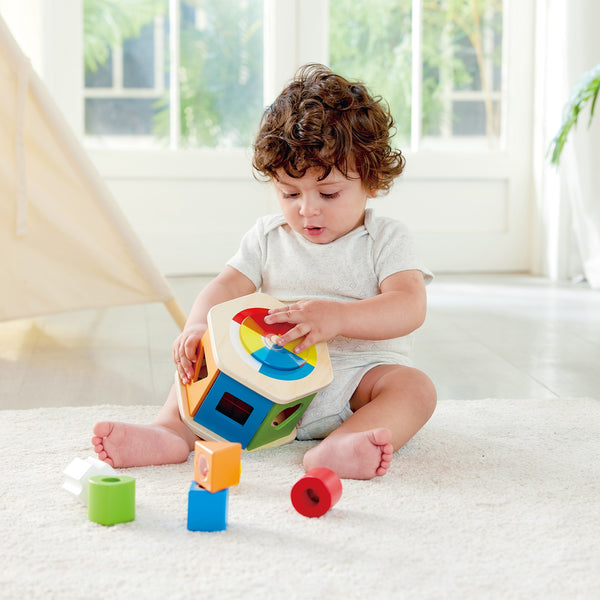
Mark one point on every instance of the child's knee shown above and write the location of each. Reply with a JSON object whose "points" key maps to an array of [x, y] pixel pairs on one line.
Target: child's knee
{"points": [[429, 395], [422, 392]]}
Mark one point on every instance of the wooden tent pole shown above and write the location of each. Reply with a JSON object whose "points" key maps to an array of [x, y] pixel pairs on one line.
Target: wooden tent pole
{"points": [[176, 312]]}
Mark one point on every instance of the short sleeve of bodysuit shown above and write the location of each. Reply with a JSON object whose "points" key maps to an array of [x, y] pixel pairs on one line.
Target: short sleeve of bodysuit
{"points": [[394, 248], [287, 266]]}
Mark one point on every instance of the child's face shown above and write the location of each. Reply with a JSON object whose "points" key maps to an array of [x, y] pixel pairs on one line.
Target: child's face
{"points": [[322, 211]]}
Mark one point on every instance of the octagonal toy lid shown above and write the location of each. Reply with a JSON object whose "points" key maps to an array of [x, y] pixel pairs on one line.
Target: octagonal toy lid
{"points": [[242, 347]]}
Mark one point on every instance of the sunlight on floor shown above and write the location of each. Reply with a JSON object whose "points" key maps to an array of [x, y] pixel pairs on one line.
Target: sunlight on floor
{"points": [[485, 336]]}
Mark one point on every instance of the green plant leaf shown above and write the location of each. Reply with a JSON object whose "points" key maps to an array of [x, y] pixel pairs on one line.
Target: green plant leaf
{"points": [[586, 90]]}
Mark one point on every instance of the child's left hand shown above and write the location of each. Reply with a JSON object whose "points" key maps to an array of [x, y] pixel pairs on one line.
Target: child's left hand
{"points": [[314, 321]]}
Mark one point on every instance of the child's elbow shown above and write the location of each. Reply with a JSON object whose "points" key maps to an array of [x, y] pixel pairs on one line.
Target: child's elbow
{"points": [[420, 310], [419, 319]]}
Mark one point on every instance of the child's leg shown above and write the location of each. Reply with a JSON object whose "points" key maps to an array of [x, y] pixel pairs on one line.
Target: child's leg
{"points": [[390, 405], [167, 440]]}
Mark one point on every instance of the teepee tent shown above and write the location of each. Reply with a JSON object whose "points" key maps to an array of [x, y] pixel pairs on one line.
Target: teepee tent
{"points": [[64, 243]]}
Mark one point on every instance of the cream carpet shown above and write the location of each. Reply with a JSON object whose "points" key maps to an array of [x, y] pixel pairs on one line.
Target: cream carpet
{"points": [[493, 499]]}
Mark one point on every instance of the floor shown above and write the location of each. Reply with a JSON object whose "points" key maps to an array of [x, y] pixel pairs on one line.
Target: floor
{"points": [[485, 337]]}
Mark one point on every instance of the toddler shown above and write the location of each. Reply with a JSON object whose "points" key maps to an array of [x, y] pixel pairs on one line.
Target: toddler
{"points": [[346, 276]]}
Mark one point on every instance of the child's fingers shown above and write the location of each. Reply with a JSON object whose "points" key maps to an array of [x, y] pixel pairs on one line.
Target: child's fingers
{"points": [[299, 347], [185, 369], [281, 309], [187, 366], [190, 347], [304, 344], [294, 334], [181, 371], [185, 351], [283, 314]]}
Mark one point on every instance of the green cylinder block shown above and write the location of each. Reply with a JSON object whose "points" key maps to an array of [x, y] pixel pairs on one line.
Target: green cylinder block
{"points": [[111, 499]]}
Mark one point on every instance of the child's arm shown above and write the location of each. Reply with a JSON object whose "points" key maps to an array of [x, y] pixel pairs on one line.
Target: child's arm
{"points": [[398, 310], [229, 284]]}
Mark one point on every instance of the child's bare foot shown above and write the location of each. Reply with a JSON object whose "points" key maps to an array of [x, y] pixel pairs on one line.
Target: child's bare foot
{"points": [[128, 445], [355, 455]]}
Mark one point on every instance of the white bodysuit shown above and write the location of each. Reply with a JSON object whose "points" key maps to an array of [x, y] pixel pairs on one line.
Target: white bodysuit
{"points": [[288, 267]]}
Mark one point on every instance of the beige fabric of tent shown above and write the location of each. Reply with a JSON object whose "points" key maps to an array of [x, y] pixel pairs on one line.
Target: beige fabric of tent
{"points": [[64, 243]]}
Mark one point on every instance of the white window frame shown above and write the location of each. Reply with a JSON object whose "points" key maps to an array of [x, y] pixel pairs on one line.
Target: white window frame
{"points": [[296, 32]]}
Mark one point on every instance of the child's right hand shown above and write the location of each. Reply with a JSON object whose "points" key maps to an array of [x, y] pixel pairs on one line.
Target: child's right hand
{"points": [[185, 351]]}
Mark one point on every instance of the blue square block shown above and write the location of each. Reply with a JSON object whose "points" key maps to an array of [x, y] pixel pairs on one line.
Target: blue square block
{"points": [[232, 411], [207, 511]]}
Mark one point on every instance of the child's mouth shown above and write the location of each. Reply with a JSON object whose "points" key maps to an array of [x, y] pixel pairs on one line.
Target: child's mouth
{"points": [[313, 230]]}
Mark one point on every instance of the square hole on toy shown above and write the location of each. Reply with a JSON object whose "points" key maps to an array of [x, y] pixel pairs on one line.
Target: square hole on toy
{"points": [[234, 408]]}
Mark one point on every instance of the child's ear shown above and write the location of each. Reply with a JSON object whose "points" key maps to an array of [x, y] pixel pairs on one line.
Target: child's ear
{"points": [[371, 193]]}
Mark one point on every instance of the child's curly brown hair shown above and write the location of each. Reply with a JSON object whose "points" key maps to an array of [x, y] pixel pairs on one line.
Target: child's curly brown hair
{"points": [[323, 120]]}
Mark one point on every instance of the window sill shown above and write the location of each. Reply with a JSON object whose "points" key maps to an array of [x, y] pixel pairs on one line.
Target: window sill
{"points": [[235, 164], [194, 164]]}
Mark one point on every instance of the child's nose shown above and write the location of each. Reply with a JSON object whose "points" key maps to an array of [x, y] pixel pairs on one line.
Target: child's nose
{"points": [[309, 207]]}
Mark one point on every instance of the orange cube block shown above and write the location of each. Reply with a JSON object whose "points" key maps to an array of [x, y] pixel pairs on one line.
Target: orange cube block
{"points": [[217, 465]]}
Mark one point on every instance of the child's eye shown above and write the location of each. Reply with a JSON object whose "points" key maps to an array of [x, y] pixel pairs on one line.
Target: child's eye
{"points": [[330, 196], [290, 194]]}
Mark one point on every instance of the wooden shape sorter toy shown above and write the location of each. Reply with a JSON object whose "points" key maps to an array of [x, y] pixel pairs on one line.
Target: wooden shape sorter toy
{"points": [[246, 388]]}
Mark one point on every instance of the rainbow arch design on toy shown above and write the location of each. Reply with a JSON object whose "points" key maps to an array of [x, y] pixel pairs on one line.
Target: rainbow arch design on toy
{"points": [[252, 339]]}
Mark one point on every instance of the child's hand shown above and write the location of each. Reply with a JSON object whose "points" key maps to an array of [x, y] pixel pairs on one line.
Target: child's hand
{"points": [[314, 320], [185, 351]]}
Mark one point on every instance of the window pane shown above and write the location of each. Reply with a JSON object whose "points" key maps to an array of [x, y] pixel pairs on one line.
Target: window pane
{"points": [[102, 76], [138, 59], [462, 63], [122, 56], [371, 41], [469, 118], [117, 116], [461, 57], [220, 70]]}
